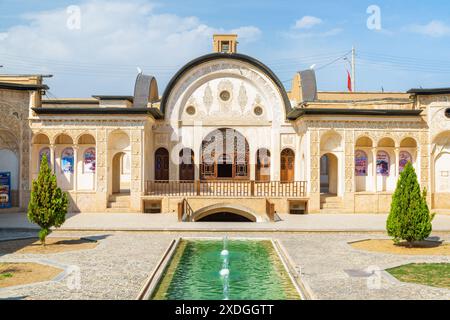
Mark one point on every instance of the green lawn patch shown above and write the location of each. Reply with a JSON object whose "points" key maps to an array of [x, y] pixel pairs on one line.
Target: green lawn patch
{"points": [[430, 274], [5, 275]]}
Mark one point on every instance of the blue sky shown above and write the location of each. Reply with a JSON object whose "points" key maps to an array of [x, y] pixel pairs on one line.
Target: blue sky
{"points": [[100, 57]]}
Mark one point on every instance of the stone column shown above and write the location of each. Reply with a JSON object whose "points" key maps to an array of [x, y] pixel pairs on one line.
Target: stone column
{"points": [[314, 193], [101, 170], [397, 157], [374, 169], [136, 191], [197, 144], [252, 162], [52, 157], [426, 162], [349, 156], [76, 149]]}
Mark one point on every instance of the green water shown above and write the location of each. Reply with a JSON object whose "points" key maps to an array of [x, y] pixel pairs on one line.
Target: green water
{"points": [[256, 272]]}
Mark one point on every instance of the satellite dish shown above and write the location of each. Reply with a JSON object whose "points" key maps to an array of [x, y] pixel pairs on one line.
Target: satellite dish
{"points": [[139, 70], [313, 66]]}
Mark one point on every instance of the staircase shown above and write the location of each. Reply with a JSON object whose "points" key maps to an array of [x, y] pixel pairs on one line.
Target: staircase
{"points": [[331, 204], [119, 202]]}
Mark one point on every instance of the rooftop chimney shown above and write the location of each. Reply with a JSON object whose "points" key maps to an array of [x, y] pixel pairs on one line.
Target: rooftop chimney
{"points": [[225, 43]]}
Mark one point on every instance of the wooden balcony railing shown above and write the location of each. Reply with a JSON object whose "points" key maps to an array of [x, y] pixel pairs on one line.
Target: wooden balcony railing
{"points": [[226, 188]]}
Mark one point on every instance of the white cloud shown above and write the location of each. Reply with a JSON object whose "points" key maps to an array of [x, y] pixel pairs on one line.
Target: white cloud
{"points": [[307, 22], [434, 29], [114, 38], [302, 29], [249, 33]]}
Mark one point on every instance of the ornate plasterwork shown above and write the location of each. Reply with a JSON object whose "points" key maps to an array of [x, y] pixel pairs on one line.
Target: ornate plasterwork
{"points": [[288, 141], [236, 77], [16, 134], [315, 161], [349, 162], [242, 97], [437, 120]]}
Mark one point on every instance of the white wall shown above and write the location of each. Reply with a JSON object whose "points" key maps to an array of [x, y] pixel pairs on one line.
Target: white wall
{"points": [[442, 173]]}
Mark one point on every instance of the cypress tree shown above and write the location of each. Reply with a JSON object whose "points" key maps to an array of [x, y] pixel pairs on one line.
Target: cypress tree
{"points": [[48, 204], [409, 218]]}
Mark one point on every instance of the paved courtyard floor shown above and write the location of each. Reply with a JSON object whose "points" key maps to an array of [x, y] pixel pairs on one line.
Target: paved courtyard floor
{"points": [[168, 222], [119, 265]]}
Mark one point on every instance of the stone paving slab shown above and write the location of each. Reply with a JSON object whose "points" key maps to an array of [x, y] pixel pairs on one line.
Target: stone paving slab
{"points": [[168, 222], [119, 265]]}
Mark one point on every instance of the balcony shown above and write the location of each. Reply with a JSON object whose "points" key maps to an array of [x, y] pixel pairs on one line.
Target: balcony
{"points": [[227, 188]]}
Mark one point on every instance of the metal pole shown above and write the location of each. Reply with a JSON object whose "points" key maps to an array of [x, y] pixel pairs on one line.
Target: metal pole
{"points": [[353, 69]]}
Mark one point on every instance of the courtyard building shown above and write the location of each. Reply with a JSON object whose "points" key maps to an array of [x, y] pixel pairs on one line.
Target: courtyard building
{"points": [[225, 136]]}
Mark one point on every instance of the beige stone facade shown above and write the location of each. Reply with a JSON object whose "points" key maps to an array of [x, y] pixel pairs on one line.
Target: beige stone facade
{"points": [[341, 153]]}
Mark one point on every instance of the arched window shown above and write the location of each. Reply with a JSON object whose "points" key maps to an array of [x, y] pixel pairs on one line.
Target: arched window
{"points": [[383, 164], [162, 164], [67, 160], [263, 165], [287, 165], [224, 155], [404, 158], [45, 151], [89, 160], [361, 164]]}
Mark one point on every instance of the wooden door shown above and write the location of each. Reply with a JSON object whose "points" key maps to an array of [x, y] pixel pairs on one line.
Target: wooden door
{"points": [[162, 165], [287, 165], [263, 165], [187, 167]]}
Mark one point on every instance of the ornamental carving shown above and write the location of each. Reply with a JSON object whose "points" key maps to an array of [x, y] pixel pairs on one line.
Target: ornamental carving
{"points": [[242, 97]]}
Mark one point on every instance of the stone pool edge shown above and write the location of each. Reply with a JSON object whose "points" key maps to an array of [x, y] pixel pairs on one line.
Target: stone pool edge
{"points": [[154, 278]]}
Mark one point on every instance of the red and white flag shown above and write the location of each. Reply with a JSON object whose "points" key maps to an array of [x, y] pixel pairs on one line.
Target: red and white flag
{"points": [[349, 82]]}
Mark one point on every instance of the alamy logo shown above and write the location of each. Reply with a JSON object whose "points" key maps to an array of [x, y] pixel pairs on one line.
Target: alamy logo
{"points": [[74, 17], [374, 20]]}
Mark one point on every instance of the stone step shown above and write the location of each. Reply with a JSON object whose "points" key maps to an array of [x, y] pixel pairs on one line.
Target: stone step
{"points": [[119, 205], [331, 205], [119, 197], [117, 210], [332, 200], [330, 211]]}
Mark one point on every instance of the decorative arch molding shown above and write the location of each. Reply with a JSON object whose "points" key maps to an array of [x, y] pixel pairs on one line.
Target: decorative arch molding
{"points": [[361, 137], [11, 118], [386, 136], [60, 134], [8, 141], [267, 102], [78, 135], [331, 141], [233, 65]]}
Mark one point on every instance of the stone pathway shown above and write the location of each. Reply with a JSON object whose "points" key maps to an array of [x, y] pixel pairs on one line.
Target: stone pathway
{"points": [[119, 265], [168, 222]]}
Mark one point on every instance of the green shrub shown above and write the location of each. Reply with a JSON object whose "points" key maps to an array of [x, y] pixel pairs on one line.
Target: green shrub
{"points": [[48, 204], [409, 218]]}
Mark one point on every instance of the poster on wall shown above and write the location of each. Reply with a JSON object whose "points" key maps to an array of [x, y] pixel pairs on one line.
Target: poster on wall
{"points": [[5, 190], [67, 160], [89, 161], [383, 164], [45, 151], [360, 163], [404, 158]]}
